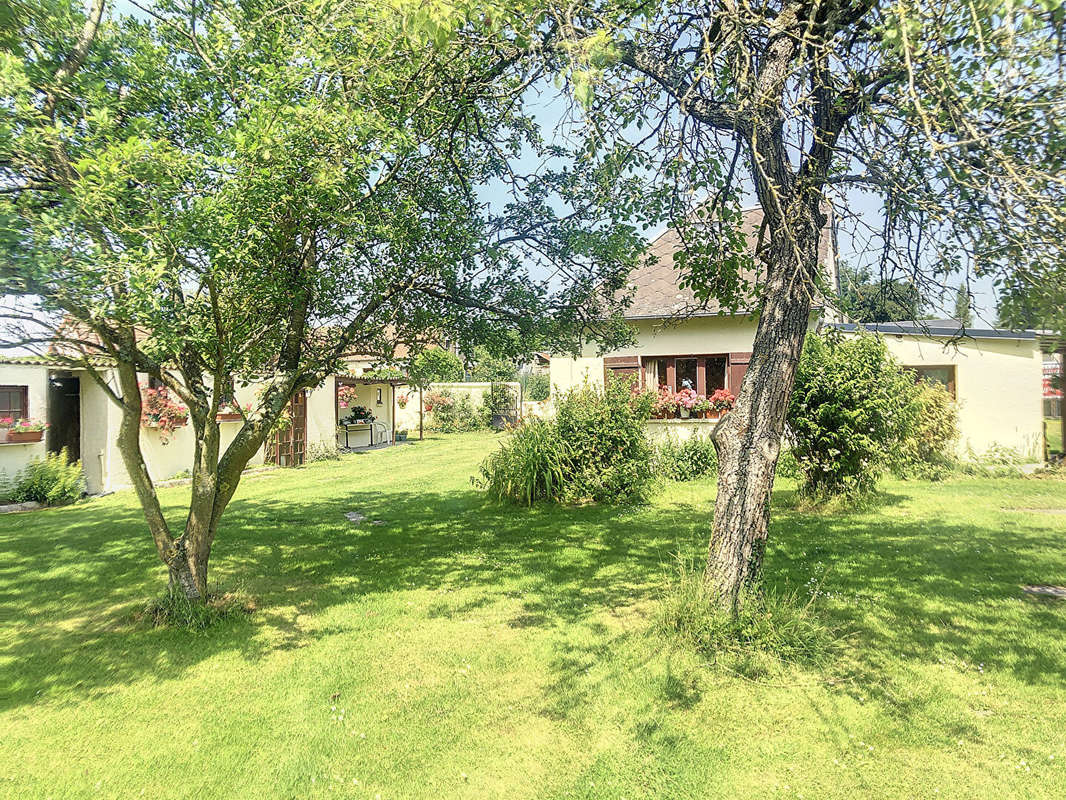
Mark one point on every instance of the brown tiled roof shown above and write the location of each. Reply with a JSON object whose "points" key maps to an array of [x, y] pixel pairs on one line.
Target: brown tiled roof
{"points": [[654, 287]]}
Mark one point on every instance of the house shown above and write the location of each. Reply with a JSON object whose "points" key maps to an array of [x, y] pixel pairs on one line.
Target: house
{"points": [[85, 421], [995, 375]]}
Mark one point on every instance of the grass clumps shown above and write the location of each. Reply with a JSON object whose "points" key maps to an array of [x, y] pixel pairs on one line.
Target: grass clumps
{"points": [[768, 630], [174, 610]]}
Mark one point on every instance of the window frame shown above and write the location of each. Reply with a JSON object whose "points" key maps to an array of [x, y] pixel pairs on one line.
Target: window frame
{"points": [[703, 371], [952, 385], [24, 392]]}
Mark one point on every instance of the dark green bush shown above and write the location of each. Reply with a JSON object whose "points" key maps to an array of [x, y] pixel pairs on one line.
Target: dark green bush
{"points": [[435, 365], [851, 412], [537, 388], [685, 461], [529, 466], [594, 448], [54, 480], [608, 458]]}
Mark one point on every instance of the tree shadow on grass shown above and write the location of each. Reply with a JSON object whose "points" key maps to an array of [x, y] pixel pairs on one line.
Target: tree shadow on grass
{"points": [[912, 586]]}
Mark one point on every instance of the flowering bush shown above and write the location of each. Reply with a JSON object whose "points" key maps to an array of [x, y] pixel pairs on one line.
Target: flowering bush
{"points": [[438, 400], [665, 402], [401, 399], [159, 411], [28, 426], [722, 400]]}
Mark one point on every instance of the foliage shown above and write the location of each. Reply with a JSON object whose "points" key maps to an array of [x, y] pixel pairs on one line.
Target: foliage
{"points": [[865, 299], [928, 451], [492, 368], [529, 466], [383, 374], [346, 395], [851, 411], [695, 457], [358, 414], [594, 448], [537, 387], [451, 414], [435, 365], [963, 307], [26, 425], [160, 411], [54, 480], [608, 458], [769, 628]]}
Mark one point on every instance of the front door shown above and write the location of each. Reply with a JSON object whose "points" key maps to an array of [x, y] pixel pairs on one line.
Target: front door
{"points": [[64, 416]]}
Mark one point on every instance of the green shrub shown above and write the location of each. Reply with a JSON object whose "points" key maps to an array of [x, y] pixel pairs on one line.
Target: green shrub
{"points": [[451, 414], [787, 465], [928, 452], [499, 399], [767, 630], [538, 387], [528, 466], [852, 409], [323, 450], [492, 369], [54, 480], [594, 448], [685, 461], [608, 458]]}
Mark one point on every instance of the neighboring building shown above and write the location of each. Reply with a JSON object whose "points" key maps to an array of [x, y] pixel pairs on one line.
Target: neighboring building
{"points": [[995, 375]]}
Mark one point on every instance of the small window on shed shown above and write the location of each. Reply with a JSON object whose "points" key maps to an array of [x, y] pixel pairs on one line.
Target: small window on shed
{"points": [[944, 375], [15, 402]]}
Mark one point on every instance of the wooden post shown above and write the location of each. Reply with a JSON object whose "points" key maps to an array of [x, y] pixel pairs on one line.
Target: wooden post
{"points": [[393, 411], [421, 409]]}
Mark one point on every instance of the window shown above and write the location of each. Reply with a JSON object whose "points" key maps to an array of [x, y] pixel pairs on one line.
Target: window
{"points": [[702, 374], [379, 397], [14, 402], [945, 376]]}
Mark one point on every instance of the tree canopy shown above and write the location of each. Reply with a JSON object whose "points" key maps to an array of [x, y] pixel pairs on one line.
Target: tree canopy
{"points": [[864, 298]]}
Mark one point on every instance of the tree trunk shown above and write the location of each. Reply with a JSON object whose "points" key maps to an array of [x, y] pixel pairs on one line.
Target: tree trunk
{"points": [[748, 439]]}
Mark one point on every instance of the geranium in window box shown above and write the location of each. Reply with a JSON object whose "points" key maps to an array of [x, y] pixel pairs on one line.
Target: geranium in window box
{"points": [[160, 412], [24, 431], [686, 400], [5, 423], [722, 401], [665, 404], [231, 412], [701, 409]]}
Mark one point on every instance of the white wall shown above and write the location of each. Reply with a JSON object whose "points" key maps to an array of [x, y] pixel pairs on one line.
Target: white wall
{"points": [[14, 457]]}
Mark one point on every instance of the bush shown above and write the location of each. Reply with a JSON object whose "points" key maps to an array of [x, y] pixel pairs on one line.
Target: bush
{"points": [[852, 409], [685, 461], [499, 399], [929, 451], [538, 387], [451, 414], [787, 465], [768, 629], [323, 450], [527, 467], [54, 480], [593, 449], [608, 455], [492, 369]]}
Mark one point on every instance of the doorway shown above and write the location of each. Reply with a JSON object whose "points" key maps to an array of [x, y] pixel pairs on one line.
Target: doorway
{"points": [[287, 448], [64, 415]]}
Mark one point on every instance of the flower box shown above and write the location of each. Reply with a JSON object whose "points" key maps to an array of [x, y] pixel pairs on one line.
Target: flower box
{"points": [[23, 437], [228, 416]]}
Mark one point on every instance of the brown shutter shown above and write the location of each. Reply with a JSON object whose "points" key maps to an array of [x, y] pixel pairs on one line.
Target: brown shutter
{"points": [[617, 366], [738, 368]]}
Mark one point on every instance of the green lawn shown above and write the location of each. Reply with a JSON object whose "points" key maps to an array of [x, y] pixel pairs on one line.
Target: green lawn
{"points": [[462, 649]]}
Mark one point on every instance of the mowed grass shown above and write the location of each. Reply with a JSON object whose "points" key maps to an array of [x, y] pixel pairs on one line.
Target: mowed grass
{"points": [[461, 649]]}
